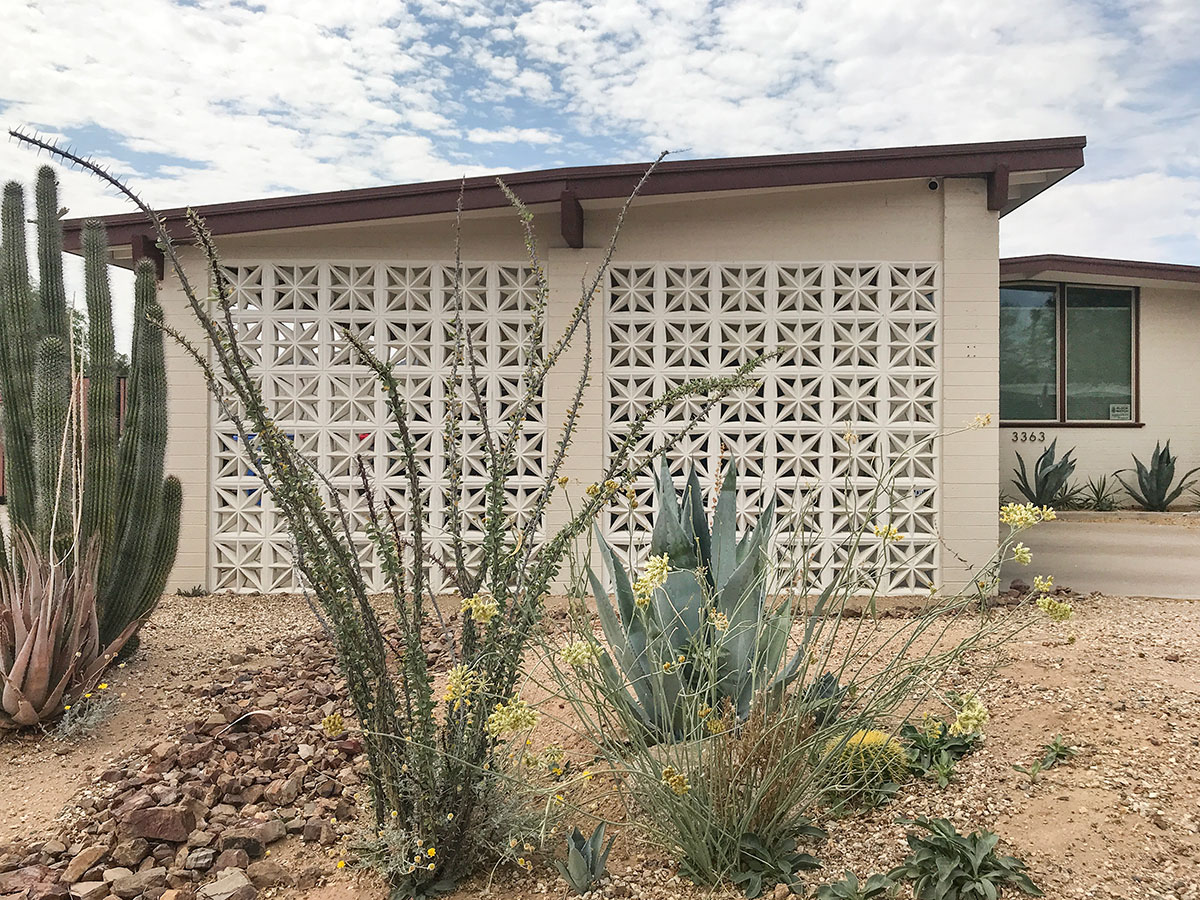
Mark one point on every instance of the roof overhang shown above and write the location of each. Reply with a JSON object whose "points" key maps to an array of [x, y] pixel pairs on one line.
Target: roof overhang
{"points": [[1015, 171], [1053, 266]]}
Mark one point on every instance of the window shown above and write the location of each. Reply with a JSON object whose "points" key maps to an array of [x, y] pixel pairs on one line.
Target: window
{"points": [[1067, 353]]}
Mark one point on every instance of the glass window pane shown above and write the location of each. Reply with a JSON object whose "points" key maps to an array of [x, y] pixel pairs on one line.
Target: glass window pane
{"points": [[1028, 354], [1099, 354]]}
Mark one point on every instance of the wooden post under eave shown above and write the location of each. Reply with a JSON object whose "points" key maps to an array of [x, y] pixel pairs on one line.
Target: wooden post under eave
{"points": [[571, 219]]}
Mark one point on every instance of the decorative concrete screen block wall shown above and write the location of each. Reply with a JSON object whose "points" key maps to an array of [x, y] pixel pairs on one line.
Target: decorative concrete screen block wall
{"points": [[292, 318], [853, 394]]}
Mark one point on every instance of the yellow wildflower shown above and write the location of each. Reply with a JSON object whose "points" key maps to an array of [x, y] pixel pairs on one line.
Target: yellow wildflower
{"points": [[971, 716], [1020, 516], [1043, 585], [431, 852], [593, 490], [719, 620], [461, 684], [657, 569], [579, 653], [511, 717], [1057, 610], [482, 607], [676, 781], [562, 480], [982, 420], [341, 864], [1022, 554], [888, 533]]}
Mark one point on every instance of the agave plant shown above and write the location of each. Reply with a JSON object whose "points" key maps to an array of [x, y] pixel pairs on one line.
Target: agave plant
{"points": [[50, 646], [1050, 476], [703, 637], [1154, 482], [586, 859]]}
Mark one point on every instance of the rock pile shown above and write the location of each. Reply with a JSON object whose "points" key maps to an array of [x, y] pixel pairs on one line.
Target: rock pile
{"points": [[194, 816]]}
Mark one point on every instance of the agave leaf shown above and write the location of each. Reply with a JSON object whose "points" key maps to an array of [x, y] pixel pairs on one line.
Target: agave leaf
{"points": [[629, 647], [724, 531], [679, 608], [669, 535], [620, 580], [594, 844], [694, 506]]}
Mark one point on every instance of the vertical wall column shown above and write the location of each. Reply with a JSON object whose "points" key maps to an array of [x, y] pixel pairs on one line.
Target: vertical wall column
{"points": [[971, 379], [187, 421]]}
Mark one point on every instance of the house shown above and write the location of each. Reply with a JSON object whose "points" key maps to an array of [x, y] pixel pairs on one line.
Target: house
{"points": [[1098, 354], [876, 273]]}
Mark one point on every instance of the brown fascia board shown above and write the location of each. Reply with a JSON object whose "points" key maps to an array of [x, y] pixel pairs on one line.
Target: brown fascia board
{"points": [[1015, 268], [689, 176]]}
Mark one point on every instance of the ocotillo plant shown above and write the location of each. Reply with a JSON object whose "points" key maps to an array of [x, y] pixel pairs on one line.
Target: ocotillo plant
{"points": [[70, 487]]}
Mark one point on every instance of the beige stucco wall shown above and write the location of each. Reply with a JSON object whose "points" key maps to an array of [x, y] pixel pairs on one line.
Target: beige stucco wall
{"points": [[901, 221], [1169, 389]]}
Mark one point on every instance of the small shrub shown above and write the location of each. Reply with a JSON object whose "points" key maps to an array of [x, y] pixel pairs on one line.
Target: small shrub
{"points": [[81, 718], [1031, 771], [946, 865], [1099, 494], [1057, 751], [932, 741], [825, 697], [585, 859], [197, 590], [850, 888], [867, 760], [1154, 490], [1050, 476], [942, 770], [763, 864]]}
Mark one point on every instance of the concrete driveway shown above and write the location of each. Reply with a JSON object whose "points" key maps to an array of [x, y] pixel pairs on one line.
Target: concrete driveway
{"points": [[1123, 554]]}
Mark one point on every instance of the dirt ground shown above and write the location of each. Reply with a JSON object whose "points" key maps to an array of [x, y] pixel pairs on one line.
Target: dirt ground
{"points": [[1122, 820]]}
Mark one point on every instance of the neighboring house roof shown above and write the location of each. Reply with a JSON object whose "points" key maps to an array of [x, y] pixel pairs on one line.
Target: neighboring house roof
{"points": [[1016, 171], [1018, 268]]}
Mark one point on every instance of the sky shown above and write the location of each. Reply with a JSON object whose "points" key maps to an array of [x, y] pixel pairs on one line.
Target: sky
{"points": [[199, 101]]}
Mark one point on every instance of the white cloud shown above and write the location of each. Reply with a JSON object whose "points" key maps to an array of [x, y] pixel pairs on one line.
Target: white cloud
{"points": [[511, 135]]}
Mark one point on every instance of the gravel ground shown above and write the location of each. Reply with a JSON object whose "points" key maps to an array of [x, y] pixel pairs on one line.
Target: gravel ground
{"points": [[1121, 820]]}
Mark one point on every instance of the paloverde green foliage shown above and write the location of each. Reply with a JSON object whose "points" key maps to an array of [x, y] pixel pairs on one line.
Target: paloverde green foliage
{"points": [[586, 859], [71, 487], [705, 635], [436, 773], [1154, 490], [946, 865], [1050, 476], [850, 888]]}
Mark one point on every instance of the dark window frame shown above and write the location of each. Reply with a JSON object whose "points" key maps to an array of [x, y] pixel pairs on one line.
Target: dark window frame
{"points": [[1060, 330]]}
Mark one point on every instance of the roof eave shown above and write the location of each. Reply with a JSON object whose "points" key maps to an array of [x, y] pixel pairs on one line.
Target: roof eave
{"points": [[997, 161], [1018, 268]]}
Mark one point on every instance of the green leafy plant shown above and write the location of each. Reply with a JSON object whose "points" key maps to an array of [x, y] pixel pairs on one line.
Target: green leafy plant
{"points": [[942, 769], [1050, 476], [198, 590], [946, 865], [849, 888], [1032, 771], [586, 859], [1099, 495], [931, 742], [1154, 490], [763, 864], [695, 630], [1057, 751]]}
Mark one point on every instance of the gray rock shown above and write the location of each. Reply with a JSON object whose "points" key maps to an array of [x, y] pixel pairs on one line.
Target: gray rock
{"points": [[140, 882], [225, 887], [130, 853], [201, 858]]}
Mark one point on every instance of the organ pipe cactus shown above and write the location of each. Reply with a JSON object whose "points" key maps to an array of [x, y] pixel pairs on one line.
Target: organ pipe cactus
{"points": [[699, 635], [73, 486]]}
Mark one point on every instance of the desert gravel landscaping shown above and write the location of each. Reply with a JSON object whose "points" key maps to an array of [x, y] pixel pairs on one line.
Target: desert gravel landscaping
{"points": [[1121, 681]]}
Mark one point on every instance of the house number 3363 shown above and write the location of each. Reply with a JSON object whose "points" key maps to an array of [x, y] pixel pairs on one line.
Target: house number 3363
{"points": [[1029, 437]]}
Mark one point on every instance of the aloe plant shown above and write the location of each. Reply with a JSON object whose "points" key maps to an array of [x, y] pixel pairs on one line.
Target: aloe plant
{"points": [[1050, 476], [50, 645], [1154, 491], [705, 636], [585, 859]]}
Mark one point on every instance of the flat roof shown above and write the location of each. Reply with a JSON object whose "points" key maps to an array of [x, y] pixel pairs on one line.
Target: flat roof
{"points": [[1016, 268], [1016, 171]]}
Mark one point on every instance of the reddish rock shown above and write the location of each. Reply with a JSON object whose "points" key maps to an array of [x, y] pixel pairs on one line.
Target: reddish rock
{"points": [[162, 823], [268, 873], [247, 839], [131, 852], [231, 859]]}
